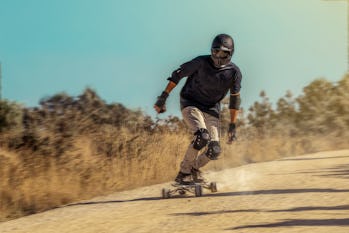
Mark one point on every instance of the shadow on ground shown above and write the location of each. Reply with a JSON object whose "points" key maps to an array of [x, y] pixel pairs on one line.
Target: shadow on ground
{"points": [[341, 171], [299, 222], [278, 191], [298, 209], [338, 171], [223, 194], [297, 159]]}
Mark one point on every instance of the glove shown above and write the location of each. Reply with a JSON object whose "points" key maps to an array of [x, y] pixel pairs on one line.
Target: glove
{"points": [[232, 133], [160, 103]]}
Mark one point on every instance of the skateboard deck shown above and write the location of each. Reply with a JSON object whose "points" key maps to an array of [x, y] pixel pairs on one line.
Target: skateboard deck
{"points": [[183, 189]]}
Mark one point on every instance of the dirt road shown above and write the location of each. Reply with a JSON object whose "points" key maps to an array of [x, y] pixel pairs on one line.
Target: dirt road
{"points": [[299, 194]]}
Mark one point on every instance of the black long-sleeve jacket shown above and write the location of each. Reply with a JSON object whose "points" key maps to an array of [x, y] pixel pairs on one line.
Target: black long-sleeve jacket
{"points": [[207, 85]]}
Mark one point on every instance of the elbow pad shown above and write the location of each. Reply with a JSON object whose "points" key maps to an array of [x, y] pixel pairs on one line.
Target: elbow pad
{"points": [[235, 102], [175, 77]]}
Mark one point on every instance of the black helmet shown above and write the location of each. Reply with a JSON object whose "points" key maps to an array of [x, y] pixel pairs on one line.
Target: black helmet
{"points": [[222, 49]]}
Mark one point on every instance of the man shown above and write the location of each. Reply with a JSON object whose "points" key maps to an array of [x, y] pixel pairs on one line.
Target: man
{"points": [[209, 79]]}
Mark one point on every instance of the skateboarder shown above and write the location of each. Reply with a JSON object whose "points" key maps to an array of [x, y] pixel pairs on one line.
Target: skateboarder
{"points": [[209, 78]]}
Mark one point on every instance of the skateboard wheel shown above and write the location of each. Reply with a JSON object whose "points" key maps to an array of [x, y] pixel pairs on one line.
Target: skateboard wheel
{"points": [[213, 187], [198, 191], [165, 193], [181, 192]]}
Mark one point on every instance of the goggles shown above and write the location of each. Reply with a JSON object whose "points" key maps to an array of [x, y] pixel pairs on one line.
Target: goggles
{"points": [[220, 53]]}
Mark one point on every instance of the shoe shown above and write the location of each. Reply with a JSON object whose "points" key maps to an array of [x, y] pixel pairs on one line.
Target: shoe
{"points": [[197, 176], [183, 178]]}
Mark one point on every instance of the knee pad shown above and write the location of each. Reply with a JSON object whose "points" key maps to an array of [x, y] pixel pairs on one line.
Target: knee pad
{"points": [[202, 137], [213, 150]]}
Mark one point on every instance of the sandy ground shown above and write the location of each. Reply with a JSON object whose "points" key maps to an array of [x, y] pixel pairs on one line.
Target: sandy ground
{"points": [[299, 194]]}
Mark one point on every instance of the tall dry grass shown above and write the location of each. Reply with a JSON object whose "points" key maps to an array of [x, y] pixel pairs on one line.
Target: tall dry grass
{"points": [[32, 183]]}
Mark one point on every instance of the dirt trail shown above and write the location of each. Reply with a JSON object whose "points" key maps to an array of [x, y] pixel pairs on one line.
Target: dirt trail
{"points": [[298, 194]]}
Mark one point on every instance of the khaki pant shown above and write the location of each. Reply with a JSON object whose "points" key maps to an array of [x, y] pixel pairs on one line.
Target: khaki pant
{"points": [[196, 119]]}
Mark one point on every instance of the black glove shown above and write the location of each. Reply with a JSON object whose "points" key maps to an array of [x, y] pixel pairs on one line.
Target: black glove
{"points": [[232, 132], [160, 103]]}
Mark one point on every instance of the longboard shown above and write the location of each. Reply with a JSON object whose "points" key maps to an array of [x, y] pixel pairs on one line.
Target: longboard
{"points": [[194, 188]]}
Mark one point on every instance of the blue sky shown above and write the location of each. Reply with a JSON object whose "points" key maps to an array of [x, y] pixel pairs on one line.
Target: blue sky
{"points": [[125, 49]]}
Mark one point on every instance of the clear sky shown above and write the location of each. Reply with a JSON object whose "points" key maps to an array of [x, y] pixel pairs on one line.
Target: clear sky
{"points": [[125, 49]]}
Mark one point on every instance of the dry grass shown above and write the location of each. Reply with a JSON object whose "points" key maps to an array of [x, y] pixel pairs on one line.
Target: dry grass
{"points": [[31, 183]]}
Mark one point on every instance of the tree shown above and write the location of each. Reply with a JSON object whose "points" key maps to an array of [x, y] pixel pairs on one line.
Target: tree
{"points": [[315, 113], [10, 115], [261, 115], [340, 105], [285, 114]]}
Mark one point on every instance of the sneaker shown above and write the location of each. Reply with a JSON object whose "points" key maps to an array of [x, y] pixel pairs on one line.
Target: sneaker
{"points": [[197, 176], [183, 178]]}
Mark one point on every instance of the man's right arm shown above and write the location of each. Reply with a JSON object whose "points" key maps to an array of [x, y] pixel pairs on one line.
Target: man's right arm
{"points": [[159, 106], [185, 70], [170, 86]]}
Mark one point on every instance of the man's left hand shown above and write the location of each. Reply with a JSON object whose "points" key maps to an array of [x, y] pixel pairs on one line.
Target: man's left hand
{"points": [[232, 133]]}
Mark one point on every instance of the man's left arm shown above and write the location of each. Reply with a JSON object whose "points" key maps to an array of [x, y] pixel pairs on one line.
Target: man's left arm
{"points": [[234, 106], [234, 112]]}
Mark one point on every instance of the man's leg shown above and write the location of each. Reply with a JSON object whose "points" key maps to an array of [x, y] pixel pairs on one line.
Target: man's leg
{"points": [[213, 149], [194, 119]]}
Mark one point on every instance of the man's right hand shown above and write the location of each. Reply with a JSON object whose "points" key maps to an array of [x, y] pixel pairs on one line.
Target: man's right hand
{"points": [[160, 104]]}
